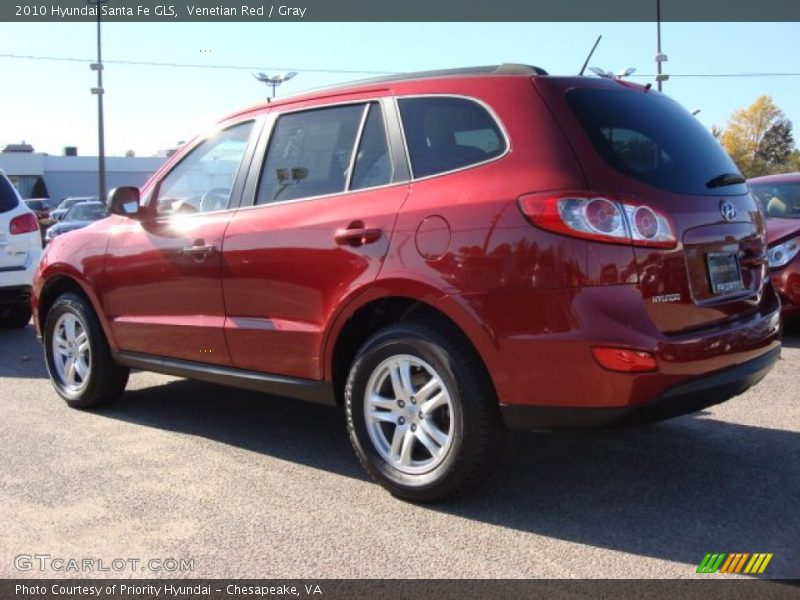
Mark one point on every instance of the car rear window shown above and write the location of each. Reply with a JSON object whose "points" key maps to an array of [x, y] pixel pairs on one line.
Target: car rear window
{"points": [[8, 195], [444, 134], [779, 199], [653, 139]]}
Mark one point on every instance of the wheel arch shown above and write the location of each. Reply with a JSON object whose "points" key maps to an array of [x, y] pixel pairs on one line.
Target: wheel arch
{"points": [[386, 304], [62, 283]]}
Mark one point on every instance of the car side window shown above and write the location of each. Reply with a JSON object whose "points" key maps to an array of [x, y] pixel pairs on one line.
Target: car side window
{"points": [[203, 180], [444, 134], [373, 164], [309, 153]]}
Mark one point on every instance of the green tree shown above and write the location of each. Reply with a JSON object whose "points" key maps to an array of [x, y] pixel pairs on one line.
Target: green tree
{"points": [[759, 138], [777, 144]]}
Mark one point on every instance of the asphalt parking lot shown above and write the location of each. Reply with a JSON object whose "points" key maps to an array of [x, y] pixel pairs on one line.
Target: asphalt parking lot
{"points": [[255, 486]]}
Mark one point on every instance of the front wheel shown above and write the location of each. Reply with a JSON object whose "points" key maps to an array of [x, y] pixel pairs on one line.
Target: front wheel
{"points": [[78, 357], [422, 414]]}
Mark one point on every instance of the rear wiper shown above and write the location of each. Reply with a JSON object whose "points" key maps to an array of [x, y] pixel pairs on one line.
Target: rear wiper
{"points": [[725, 179]]}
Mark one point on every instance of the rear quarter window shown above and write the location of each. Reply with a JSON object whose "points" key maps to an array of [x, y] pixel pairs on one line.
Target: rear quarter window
{"points": [[652, 139], [446, 133], [9, 199]]}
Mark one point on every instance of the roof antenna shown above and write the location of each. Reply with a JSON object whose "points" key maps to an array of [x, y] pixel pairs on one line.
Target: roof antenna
{"points": [[588, 58]]}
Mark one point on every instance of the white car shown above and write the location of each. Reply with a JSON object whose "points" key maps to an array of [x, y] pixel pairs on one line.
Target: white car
{"points": [[20, 250]]}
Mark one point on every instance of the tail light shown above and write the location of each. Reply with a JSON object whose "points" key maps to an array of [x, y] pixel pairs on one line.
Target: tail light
{"points": [[624, 360], [603, 218], [23, 224]]}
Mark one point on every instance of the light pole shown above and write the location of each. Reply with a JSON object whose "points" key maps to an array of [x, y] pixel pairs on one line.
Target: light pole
{"points": [[660, 57], [99, 91], [275, 80]]}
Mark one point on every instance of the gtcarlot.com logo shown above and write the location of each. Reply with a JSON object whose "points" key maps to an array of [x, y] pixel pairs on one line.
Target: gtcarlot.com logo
{"points": [[743, 563], [46, 562]]}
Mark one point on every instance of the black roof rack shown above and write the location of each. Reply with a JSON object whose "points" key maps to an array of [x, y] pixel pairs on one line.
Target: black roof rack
{"points": [[504, 69]]}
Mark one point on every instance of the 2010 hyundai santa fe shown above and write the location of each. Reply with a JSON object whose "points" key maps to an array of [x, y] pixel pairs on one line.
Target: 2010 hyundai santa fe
{"points": [[446, 254]]}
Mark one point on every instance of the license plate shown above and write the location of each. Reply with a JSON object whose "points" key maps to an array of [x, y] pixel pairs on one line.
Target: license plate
{"points": [[724, 273]]}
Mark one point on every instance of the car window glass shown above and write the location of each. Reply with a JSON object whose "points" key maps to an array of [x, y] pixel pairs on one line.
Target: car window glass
{"points": [[636, 150], [444, 134], [203, 180], [309, 153], [8, 195], [373, 164], [653, 139], [86, 212], [779, 200]]}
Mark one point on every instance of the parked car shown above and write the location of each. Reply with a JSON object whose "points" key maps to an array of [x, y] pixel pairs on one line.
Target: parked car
{"points": [[20, 250], [780, 196], [40, 207], [67, 203], [445, 254], [78, 216]]}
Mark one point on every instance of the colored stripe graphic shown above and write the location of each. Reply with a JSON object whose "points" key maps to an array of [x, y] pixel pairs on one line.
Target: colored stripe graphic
{"points": [[758, 563], [741, 562], [711, 563], [735, 562]]}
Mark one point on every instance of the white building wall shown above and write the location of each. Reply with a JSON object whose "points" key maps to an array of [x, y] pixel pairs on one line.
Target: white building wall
{"points": [[75, 175]]}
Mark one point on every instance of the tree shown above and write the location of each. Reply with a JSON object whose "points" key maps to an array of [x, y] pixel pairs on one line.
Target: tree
{"points": [[759, 138], [777, 144]]}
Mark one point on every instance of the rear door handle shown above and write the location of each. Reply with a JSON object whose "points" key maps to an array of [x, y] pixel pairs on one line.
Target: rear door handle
{"points": [[357, 236]]}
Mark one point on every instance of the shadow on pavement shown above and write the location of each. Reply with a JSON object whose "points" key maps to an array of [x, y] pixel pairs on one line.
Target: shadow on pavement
{"points": [[791, 336], [674, 490], [21, 353], [310, 434]]}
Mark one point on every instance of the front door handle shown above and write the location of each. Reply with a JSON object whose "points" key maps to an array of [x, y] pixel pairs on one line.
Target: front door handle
{"points": [[357, 236], [199, 250]]}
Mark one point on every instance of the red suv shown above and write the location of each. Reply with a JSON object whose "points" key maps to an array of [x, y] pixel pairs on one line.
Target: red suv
{"points": [[446, 254]]}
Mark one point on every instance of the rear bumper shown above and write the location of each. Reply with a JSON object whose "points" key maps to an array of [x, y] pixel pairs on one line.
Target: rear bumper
{"points": [[540, 351], [685, 398]]}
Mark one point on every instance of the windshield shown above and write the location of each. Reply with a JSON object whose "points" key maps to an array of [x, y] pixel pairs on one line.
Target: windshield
{"points": [[779, 200], [35, 204], [70, 202], [652, 138], [86, 212]]}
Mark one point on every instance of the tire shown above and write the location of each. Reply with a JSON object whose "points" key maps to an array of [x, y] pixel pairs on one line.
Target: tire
{"points": [[15, 316], [428, 457], [73, 335]]}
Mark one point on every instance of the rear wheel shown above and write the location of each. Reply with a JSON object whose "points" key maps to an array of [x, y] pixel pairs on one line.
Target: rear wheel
{"points": [[422, 414], [78, 356], [15, 316]]}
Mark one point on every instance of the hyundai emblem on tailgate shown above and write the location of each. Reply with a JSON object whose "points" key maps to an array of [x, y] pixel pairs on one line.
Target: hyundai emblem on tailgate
{"points": [[728, 211]]}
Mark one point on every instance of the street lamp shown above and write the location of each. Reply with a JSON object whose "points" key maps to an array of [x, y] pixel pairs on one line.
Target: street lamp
{"points": [[99, 91], [660, 56], [275, 80]]}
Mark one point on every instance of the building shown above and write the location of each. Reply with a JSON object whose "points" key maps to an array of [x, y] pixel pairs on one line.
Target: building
{"points": [[38, 175]]}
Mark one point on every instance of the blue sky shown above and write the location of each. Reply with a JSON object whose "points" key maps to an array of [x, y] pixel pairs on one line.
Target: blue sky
{"points": [[48, 104]]}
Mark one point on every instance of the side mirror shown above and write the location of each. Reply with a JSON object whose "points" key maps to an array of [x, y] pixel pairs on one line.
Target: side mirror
{"points": [[124, 201]]}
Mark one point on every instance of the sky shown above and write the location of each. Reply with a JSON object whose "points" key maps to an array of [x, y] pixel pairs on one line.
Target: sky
{"points": [[48, 103]]}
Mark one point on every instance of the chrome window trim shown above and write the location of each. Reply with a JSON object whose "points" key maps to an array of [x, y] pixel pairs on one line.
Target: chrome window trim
{"points": [[477, 101], [322, 196]]}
